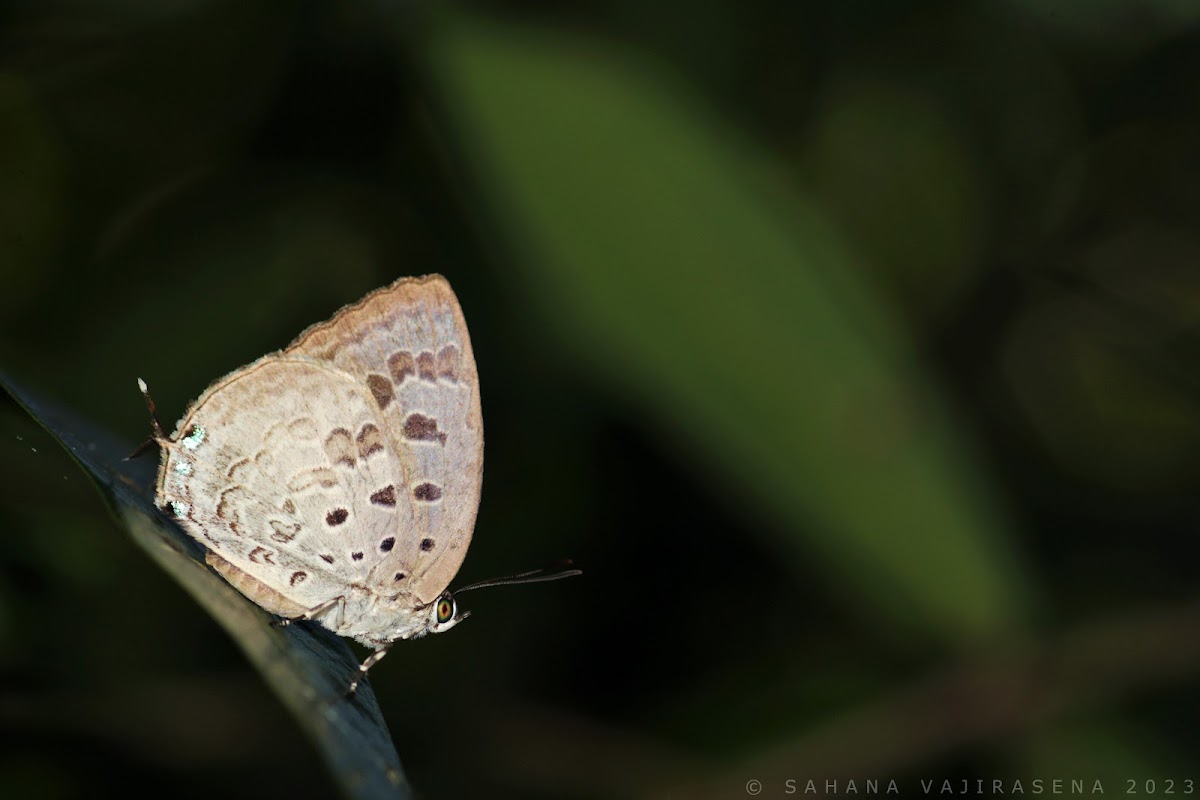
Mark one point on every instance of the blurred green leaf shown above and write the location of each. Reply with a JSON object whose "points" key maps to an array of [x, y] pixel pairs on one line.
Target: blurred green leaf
{"points": [[895, 167], [307, 667], [733, 314], [1096, 373]]}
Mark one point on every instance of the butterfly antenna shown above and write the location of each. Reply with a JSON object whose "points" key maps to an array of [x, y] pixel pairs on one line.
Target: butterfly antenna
{"points": [[563, 569], [158, 433]]}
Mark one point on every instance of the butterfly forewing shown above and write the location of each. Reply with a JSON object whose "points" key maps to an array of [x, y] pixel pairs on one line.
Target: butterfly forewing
{"points": [[408, 344]]}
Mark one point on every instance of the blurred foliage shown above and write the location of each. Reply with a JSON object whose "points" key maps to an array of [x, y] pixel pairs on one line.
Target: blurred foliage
{"points": [[732, 317], [847, 346]]}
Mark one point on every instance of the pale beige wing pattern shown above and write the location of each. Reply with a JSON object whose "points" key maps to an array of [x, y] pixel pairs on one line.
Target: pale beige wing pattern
{"points": [[279, 469], [407, 345]]}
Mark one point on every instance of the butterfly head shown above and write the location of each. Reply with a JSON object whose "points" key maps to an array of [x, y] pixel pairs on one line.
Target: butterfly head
{"points": [[444, 614]]}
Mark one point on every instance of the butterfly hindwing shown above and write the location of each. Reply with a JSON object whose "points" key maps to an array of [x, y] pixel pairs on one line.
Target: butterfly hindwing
{"points": [[266, 472]]}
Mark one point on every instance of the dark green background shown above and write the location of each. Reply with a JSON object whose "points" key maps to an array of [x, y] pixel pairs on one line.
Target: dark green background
{"points": [[848, 347]]}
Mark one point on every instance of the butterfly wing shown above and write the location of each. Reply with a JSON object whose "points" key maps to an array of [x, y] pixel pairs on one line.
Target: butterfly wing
{"points": [[407, 345], [274, 469]]}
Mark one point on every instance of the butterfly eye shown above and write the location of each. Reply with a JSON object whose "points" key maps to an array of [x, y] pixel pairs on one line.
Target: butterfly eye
{"points": [[445, 610], [444, 615]]}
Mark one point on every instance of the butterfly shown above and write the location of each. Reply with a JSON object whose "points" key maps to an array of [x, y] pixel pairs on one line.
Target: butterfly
{"points": [[338, 480]]}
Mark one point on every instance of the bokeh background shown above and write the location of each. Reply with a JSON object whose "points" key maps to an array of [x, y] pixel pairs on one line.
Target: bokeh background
{"points": [[849, 347]]}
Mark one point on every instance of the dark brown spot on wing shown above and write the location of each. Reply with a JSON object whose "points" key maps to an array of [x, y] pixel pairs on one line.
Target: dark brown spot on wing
{"points": [[320, 476], [357, 556], [401, 366], [426, 368], [224, 509], [264, 461], [381, 390], [369, 439], [427, 545], [448, 363], [427, 492], [385, 496], [297, 577], [261, 555], [284, 531], [339, 447], [400, 576], [223, 502], [235, 466], [420, 428], [328, 559], [387, 544], [336, 517]]}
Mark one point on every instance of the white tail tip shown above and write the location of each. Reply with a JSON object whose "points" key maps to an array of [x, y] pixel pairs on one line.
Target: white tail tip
{"points": [[142, 386]]}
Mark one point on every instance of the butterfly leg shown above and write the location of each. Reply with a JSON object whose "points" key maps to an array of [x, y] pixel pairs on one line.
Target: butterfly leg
{"points": [[316, 611], [158, 433], [371, 661]]}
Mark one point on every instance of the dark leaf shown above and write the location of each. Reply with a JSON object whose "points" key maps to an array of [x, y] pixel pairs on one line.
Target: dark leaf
{"points": [[308, 667]]}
